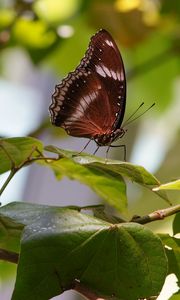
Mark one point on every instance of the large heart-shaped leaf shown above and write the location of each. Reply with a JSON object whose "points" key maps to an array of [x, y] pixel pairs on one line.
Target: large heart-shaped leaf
{"points": [[62, 246]]}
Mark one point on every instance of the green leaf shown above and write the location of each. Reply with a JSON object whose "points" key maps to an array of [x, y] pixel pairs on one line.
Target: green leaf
{"points": [[105, 183], [176, 224], [6, 17], [171, 8], [63, 245], [112, 170], [10, 233], [100, 212], [133, 172], [13, 218], [173, 253], [16, 215], [161, 61], [105, 177], [173, 185], [56, 11], [175, 296], [15, 151], [33, 33]]}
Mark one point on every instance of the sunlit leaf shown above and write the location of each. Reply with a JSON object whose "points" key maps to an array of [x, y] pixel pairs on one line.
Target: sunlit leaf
{"points": [[105, 177], [14, 151], [176, 296], [6, 17], [33, 34], [110, 169], [56, 11], [173, 185], [108, 185]]}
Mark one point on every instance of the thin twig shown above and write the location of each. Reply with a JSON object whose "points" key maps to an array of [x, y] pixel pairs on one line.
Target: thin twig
{"points": [[83, 290], [9, 256], [12, 173], [27, 161], [157, 215], [47, 159]]}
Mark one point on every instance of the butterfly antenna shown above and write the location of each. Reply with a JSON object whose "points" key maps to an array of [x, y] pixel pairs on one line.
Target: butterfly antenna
{"points": [[127, 123], [133, 113]]}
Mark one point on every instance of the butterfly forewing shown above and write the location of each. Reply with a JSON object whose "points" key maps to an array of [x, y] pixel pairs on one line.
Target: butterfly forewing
{"points": [[90, 101]]}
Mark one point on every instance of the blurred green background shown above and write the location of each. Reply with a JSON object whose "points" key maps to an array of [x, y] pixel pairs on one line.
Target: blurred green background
{"points": [[41, 41]]}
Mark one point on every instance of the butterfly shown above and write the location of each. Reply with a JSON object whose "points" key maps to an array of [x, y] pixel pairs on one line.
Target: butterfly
{"points": [[90, 102]]}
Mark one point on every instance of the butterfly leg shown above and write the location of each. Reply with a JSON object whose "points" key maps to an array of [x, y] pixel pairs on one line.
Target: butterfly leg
{"points": [[85, 146], [107, 151], [96, 150], [115, 146]]}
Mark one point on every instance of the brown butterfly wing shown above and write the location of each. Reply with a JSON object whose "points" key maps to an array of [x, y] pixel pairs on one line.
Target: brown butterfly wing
{"points": [[90, 101]]}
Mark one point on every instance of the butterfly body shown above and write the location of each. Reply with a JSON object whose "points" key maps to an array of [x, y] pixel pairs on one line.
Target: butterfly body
{"points": [[90, 102], [108, 138]]}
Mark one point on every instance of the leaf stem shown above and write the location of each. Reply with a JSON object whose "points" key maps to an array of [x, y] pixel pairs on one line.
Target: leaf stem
{"points": [[27, 161], [83, 290], [11, 174], [156, 215], [9, 256]]}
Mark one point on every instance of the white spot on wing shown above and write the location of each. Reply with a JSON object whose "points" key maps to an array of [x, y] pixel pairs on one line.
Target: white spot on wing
{"points": [[100, 71], [109, 43], [106, 70], [119, 76]]}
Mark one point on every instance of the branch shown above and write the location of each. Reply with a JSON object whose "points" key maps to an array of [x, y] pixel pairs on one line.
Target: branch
{"points": [[90, 295], [11, 175], [156, 215], [83, 290], [27, 161], [9, 256]]}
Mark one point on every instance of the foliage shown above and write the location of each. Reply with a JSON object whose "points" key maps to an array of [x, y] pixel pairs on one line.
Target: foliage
{"points": [[104, 177], [65, 245], [107, 246], [61, 247]]}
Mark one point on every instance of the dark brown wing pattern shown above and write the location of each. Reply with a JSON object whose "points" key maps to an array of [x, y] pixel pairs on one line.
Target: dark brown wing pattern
{"points": [[90, 102]]}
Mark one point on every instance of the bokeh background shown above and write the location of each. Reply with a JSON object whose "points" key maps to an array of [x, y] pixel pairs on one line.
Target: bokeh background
{"points": [[40, 42]]}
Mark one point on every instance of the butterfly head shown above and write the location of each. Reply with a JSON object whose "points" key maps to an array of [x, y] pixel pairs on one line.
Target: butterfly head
{"points": [[108, 139]]}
